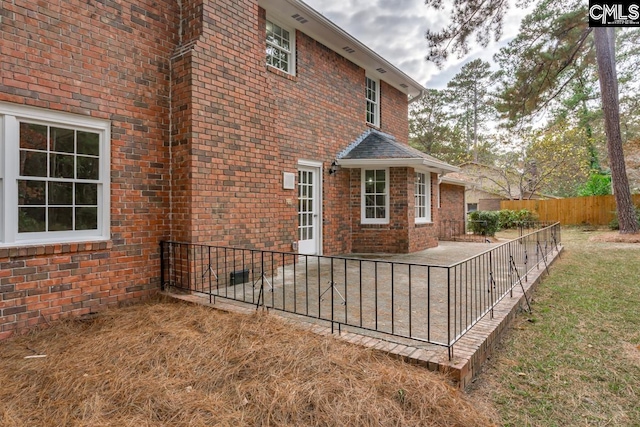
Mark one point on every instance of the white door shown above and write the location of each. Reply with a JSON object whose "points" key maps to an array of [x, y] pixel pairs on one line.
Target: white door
{"points": [[308, 210]]}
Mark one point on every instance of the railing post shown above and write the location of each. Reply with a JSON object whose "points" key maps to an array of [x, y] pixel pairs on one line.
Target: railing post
{"points": [[526, 262], [209, 272], [491, 286], [332, 296], [162, 266], [510, 271], [449, 307]]}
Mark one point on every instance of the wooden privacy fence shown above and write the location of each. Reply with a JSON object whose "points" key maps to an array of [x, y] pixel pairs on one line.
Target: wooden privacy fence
{"points": [[594, 210]]}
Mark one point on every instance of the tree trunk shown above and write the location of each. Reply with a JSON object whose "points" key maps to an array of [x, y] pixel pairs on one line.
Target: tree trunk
{"points": [[475, 123], [610, 107]]}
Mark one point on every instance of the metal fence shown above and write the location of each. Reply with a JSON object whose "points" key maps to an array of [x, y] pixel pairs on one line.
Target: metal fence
{"points": [[460, 231], [433, 304]]}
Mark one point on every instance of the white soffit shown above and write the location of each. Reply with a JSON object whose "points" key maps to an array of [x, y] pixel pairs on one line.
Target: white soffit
{"points": [[298, 15]]}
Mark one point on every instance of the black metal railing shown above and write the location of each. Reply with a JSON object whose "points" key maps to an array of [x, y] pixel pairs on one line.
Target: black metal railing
{"points": [[461, 231], [433, 304], [525, 227]]}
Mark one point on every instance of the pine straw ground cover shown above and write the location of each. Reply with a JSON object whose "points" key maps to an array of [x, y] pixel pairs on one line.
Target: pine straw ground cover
{"points": [[173, 364]]}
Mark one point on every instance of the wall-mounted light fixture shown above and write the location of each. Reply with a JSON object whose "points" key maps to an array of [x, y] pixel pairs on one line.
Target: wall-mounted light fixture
{"points": [[333, 168]]}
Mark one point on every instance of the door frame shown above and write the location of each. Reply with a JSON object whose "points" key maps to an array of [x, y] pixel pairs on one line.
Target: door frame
{"points": [[317, 166]]}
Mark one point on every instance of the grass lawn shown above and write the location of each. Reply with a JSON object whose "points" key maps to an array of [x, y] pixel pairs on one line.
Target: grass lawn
{"points": [[576, 360]]}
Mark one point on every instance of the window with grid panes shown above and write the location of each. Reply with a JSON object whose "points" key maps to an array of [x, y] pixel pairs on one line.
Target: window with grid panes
{"points": [[375, 196], [372, 95], [422, 197], [280, 47], [54, 174]]}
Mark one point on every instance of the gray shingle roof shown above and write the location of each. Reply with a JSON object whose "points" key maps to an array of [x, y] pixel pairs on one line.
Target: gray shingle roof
{"points": [[374, 144]]}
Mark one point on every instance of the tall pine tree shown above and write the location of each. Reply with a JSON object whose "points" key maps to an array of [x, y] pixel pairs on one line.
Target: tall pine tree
{"points": [[484, 20]]}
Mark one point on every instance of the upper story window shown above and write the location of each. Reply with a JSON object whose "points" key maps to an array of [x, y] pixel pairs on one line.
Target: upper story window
{"points": [[423, 197], [280, 47], [54, 176], [372, 95], [375, 196]]}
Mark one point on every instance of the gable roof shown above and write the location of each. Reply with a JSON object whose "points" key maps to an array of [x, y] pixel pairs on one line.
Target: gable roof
{"points": [[375, 148], [297, 14]]}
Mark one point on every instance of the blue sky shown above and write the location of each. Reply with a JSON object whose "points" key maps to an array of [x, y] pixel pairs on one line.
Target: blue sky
{"points": [[395, 29]]}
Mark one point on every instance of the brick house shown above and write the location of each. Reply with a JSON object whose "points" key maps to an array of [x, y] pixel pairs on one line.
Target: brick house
{"points": [[126, 123]]}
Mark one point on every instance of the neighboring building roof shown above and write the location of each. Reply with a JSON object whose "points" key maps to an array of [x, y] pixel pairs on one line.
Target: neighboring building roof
{"points": [[378, 148], [487, 182], [297, 14], [453, 180]]}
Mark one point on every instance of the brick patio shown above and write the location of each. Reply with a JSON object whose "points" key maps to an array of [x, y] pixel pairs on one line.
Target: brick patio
{"points": [[469, 352]]}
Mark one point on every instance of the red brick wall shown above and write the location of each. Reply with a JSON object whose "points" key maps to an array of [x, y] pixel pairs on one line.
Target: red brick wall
{"points": [[452, 202], [321, 110], [392, 237], [402, 234], [229, 168], [394, 112], [109, 60], [201, 133]]}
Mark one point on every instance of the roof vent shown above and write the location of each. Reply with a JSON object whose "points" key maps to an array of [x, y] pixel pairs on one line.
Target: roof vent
{"points": [[348, 49], [300, 19], [381, 70], [404, 85]]}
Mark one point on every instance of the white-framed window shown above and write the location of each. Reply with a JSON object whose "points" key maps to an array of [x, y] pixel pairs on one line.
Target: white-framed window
{"points": [[372, 95], [281, 46], [54, 176], [375, 196], [423, 197]]}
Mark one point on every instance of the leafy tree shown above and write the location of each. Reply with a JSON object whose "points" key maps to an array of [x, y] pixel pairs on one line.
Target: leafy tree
{"points": [[434, 128], [430, 128], [484, 20], [561, 158], [470, 97], [553, 161], [598, 184]]}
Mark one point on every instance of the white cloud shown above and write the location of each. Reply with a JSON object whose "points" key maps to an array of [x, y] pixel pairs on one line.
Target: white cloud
{"points": [[396, 29]]}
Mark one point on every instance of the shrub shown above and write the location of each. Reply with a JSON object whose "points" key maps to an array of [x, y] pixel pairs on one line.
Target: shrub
{"points": [[512, 219], [484, 222]]}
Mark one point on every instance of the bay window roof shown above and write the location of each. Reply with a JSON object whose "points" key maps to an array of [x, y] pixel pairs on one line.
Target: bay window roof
{"points": [[375, 148]]}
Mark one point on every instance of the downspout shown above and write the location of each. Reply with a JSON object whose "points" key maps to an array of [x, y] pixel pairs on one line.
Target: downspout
{"points": [[439, 192], [417, 98], [171, 230]]}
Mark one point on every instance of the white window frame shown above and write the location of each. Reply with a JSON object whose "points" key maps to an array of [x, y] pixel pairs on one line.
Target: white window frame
{"points": [[291, 64], [422, 189], [363, 206], [10, 117], [373, 102]]}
